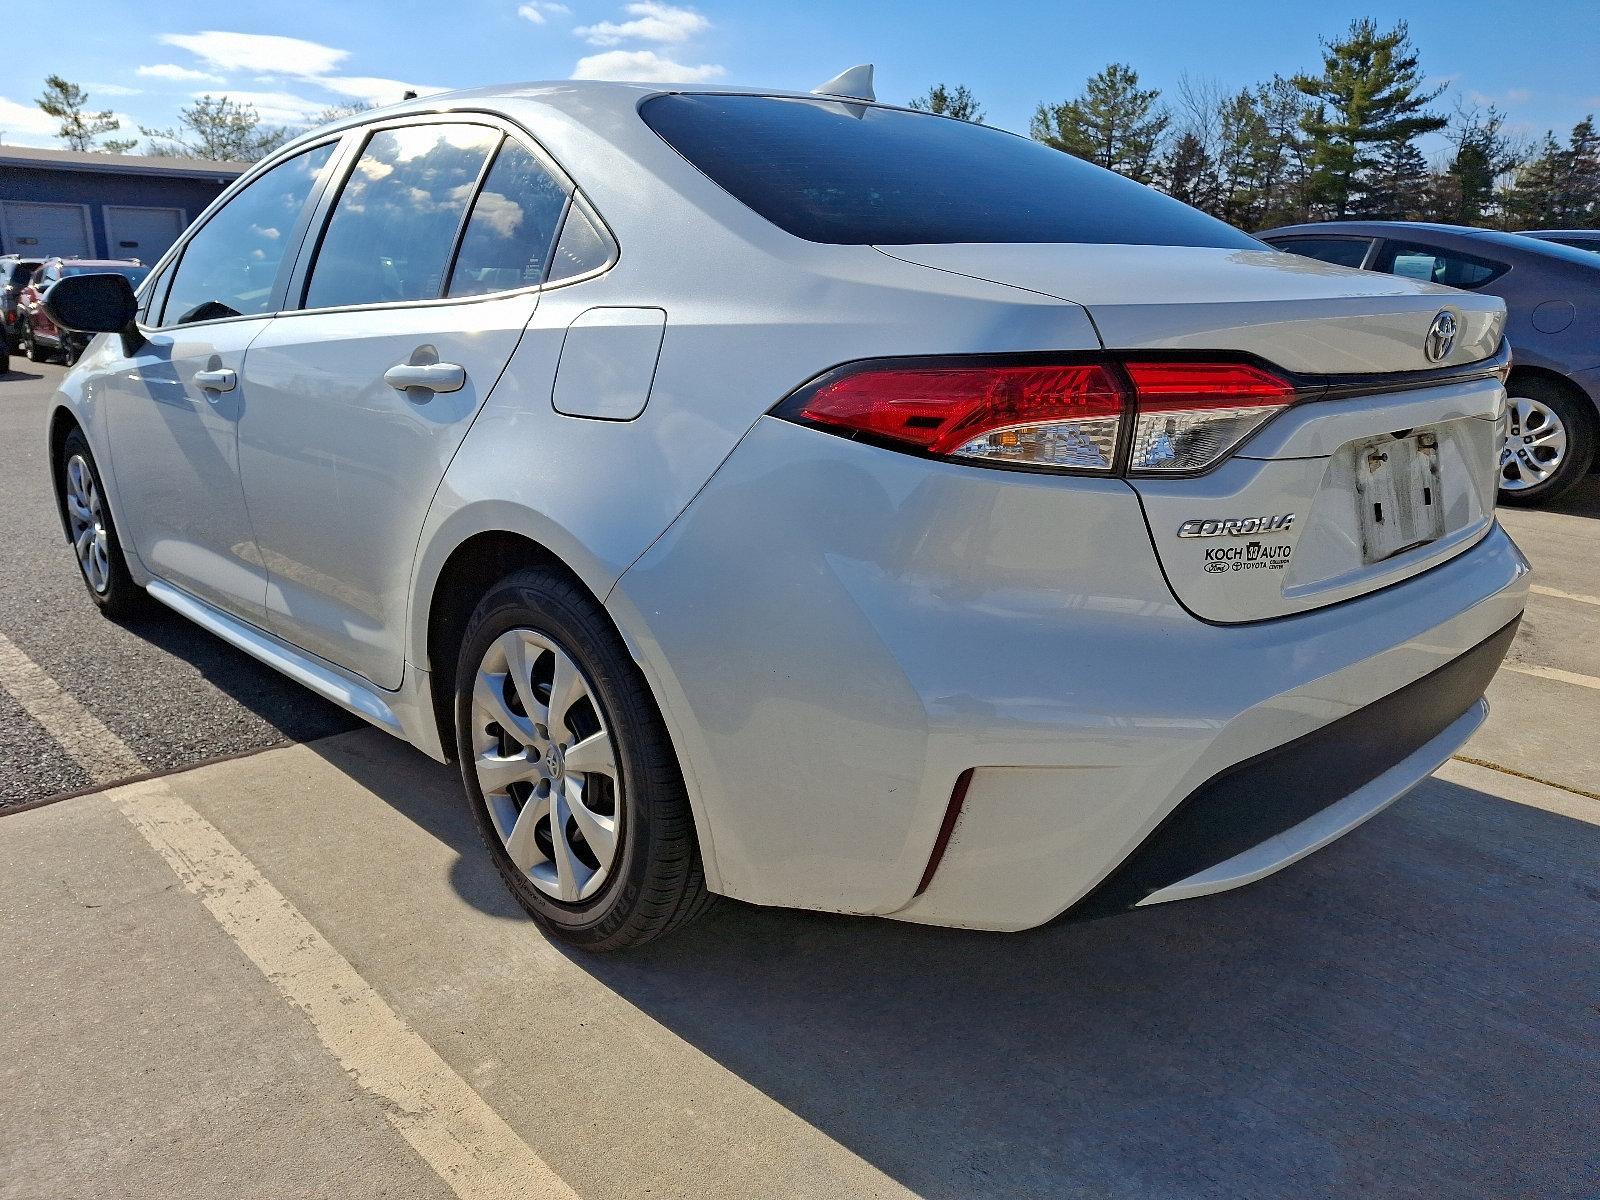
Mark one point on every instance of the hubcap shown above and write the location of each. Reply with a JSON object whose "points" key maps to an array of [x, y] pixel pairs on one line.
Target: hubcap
{"points": [[547, 765], [1535, 445], [86, 520]]}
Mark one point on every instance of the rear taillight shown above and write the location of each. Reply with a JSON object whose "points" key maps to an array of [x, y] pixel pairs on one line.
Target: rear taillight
{"points": [[1191, 415], [1063, 416], [1056, 415]]}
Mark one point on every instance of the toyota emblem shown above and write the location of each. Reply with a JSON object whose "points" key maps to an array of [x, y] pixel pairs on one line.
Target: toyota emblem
{"points": [[1441, 337]]}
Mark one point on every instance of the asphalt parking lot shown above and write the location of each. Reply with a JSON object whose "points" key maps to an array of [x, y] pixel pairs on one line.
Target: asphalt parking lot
{"points": [[277, 964]]}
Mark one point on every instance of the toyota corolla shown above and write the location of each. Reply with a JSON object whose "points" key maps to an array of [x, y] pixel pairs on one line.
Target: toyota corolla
{"points": [[803, 499]]}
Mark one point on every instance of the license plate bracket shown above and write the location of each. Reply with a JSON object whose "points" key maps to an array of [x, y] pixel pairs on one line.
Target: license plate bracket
{"points": [[1399, 501]]}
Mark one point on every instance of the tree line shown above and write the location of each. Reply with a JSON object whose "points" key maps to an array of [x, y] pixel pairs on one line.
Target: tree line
{"points": [[1338, 142], [213, 127], [1335, 143]]}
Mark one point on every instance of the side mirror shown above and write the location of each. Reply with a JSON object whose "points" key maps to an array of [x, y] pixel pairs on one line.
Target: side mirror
{"points": [[96, 304]]}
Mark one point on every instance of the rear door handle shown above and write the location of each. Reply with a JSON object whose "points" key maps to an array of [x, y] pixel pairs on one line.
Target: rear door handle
{"points": [[430, 377], [217, 381]]}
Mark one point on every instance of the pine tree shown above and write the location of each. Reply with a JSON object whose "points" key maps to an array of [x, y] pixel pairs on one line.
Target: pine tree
{"points": [[1261, 158], [215, 127], [1370, 95], [955, 102], [1559, 186], [1112, 123], [1484, 154], [1397, 189], [1189, 173], [80, 130]]}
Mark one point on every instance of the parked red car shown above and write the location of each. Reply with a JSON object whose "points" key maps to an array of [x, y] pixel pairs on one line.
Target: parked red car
{"points": [[37, 335]]}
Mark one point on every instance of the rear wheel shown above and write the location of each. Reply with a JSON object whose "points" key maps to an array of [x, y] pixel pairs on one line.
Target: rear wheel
{"points": [[92, 532], [30, 345], [1549, 444], [569, 771]]}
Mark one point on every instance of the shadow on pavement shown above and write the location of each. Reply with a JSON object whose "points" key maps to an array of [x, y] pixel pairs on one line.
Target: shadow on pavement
{"points": [[1415, 1011], [298, 714], [1582, 501]]}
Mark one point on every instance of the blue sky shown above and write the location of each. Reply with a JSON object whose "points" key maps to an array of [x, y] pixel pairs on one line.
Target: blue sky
{"points": [[145, 60]]}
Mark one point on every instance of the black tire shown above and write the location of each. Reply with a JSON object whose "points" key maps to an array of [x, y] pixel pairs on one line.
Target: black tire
{"points": [[71, 350], [30, 347], [5, 360], [121, 596], [656, 882], [1578, 416]]}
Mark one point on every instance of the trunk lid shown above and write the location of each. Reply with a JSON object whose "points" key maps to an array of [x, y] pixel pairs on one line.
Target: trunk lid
{"points": [[1387, 465]]}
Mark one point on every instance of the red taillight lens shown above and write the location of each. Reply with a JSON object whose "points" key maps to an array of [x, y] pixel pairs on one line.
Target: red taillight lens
{"points": [[1056, 415], [1185, 416], [1193, 414]]}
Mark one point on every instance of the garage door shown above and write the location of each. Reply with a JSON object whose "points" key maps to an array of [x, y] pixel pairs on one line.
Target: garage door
{"points": [[46, 229], [142, 233]]}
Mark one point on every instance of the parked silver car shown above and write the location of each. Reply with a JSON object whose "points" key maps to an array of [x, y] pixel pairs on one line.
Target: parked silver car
{"points": [[1552, 295], [806, 500]]}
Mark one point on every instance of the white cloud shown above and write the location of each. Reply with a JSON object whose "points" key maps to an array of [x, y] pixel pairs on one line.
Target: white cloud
{"points": [[177, 74], [652, 22], [278, 108], [25, 124], [538, 11], [262, 52], [642, 66], [109, 89], [371, 89]]}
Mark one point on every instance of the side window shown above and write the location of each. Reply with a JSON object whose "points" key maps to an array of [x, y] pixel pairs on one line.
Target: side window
{"points": [[1433, 265], [513, 226], [230, 266], [1341, 252], [583, 247], [395, 224]]}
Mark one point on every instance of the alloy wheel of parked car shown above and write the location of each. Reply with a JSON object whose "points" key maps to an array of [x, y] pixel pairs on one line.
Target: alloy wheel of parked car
{"points": [[546, 765], [568, 769], [92, 531], [1548, 444]]}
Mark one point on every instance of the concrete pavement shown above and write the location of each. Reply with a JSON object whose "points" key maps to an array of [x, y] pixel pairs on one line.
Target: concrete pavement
{"points": [[1412, 1012]]}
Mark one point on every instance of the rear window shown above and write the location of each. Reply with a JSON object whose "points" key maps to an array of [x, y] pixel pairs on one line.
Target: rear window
{"points": [[1433, 265], [855, 174]]}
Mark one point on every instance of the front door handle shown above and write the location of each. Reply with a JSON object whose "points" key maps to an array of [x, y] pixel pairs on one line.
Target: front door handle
{"points": [[429, 377], [217, 381]]}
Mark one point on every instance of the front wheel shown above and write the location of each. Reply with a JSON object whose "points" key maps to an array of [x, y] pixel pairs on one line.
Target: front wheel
{"points": [[569, 771], [92, 532], [1549, 443]]}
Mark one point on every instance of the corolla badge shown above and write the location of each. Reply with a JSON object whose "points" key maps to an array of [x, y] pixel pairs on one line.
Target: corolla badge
{"points": [[1200, 527], [1441, 337]]}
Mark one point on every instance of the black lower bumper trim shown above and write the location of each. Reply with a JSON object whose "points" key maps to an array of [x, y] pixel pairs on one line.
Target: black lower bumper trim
{"points": [[1261, 797]]}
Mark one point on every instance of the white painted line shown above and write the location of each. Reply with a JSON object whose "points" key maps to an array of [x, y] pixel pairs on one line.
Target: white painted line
{"points": [[1560, 676], [473, 1150], [1539, 589], [448, 1124], [103, 756]]}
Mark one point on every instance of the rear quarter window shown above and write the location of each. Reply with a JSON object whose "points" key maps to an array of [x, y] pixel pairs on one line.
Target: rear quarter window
{"points": [[856, 174], [1432, 264]]}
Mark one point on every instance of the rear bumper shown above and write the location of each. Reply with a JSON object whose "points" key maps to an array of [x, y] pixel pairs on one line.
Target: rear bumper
{"points": [[836, 634], [1262, 814]]}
